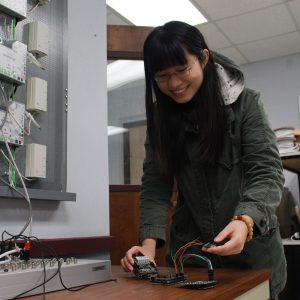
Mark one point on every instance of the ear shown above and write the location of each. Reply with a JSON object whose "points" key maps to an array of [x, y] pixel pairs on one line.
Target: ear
{"points": [[205, 56]]}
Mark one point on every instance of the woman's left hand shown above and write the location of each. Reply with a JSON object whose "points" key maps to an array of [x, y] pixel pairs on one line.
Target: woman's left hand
{"points": [[236, 232]]}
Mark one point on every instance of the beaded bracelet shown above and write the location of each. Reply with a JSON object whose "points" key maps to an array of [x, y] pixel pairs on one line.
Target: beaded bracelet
{"points": [[249, 223]]}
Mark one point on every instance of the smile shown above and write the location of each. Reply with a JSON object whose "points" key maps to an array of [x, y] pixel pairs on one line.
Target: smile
{"points": [[177, 92]]}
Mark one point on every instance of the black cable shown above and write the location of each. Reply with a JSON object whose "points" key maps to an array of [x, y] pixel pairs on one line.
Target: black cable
{"points": [[36, 241], [42, 247], [58, 271]]}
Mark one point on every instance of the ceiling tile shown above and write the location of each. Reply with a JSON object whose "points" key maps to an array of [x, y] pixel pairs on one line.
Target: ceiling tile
{"points": [[213, 36], [274, 47], [295, 9], [258, 25], [215, 10], [233, 54]]}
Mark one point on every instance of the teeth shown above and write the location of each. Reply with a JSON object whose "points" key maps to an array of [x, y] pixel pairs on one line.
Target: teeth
{"points": [[179, 91]]}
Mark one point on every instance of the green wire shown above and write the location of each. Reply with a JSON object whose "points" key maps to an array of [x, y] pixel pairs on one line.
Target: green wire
{"points": [[14, 28], [13, 172], [13, 93]]}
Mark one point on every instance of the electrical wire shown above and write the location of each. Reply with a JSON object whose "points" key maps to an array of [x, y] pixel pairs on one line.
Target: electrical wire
{"points": [[201, 257], [33, 8], [5, 29], [42, 246], [14, 24], [28, 224], [11, 156], [16, 121], [13, 188], [10, 162], [6, 105], [178, 257], [7, 253]]}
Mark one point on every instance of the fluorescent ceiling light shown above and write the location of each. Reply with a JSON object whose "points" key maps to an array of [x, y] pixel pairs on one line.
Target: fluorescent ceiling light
{"points": [[157, 12], [113, 130], [121, 72]]}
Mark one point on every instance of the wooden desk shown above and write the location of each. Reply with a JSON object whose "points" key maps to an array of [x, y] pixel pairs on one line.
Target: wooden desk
{"points": [[291, 161], [231, 284]]}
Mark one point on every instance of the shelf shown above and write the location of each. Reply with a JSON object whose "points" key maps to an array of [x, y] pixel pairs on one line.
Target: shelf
{"points": [[37, 194]]}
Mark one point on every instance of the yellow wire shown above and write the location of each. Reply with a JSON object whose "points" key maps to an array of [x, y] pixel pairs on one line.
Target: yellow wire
{"points": [[177, 258]]}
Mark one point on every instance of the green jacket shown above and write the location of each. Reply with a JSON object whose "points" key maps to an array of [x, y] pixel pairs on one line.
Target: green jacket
{"points": [[247, 179]]}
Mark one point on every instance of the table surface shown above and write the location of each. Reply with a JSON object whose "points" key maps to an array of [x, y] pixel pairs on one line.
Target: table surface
{"points": [[231, 283]]}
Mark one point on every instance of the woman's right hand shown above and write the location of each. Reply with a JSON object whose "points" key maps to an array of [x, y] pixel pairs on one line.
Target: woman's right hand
{"points": [[147, 249]]}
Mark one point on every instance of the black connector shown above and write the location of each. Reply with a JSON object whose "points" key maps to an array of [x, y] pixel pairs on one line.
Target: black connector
{"points": [[198, 285], [25, 253], [143, 268], [211, 276], [2, 249], [168, 279]]}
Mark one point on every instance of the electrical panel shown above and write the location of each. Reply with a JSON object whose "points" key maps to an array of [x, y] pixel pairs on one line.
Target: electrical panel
{"points": [[13, 128], [35, 166], [38, 42], [36, 94], [15, 8], [43, 2], [13, 62]]}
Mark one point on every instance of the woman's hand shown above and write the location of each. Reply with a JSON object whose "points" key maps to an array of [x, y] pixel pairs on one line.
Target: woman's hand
{"points": [[236, 232], [147, 249]]}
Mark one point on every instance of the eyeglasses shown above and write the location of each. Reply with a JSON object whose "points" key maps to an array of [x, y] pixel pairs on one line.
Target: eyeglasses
{"points": [[182, 74]]}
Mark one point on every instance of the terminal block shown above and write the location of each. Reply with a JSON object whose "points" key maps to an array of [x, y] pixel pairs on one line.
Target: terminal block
{"points": [[168, 279], [143, 268], [198, 285]]}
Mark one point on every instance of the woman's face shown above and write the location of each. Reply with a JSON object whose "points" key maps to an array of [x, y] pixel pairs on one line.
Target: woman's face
{"points": [[181, 82]]}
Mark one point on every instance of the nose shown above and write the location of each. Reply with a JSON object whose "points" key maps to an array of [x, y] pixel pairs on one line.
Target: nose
{"points": [[174, 80]]}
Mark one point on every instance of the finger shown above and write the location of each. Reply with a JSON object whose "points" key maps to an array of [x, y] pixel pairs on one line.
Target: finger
{"points": [[132, 252], [218, 250], [127, 266], [225, 233]]}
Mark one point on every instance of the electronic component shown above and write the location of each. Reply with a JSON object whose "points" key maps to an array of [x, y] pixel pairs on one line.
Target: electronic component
{"points": [[38, 41], [13, 62], [35, 166], [20, 276], [25, 252], [14, 8], [13, 128], [168, 279], [181, 256], [36, 94], [209, 245], [143, 268], [198, 285]]}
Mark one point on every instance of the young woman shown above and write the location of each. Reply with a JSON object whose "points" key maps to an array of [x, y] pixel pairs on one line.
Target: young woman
{"points": [[209, 133]]}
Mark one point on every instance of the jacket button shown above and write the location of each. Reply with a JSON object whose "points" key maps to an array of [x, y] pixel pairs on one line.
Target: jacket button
{"points": [[263, 221]]}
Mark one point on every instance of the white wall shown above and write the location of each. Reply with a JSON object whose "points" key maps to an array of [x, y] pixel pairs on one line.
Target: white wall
{"points": [[278, 80], [87, 168]]}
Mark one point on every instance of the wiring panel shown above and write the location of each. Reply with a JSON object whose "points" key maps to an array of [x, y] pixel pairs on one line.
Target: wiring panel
{"points": [[19, 276], [13, 61], [16, 8], [32, 46], [13, 123]]}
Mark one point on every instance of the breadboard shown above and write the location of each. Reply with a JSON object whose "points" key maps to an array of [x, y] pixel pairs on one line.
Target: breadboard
{"points": [[18, 277]]}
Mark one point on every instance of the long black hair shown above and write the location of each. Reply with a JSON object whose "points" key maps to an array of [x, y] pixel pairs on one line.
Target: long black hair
{"points": [[165, 47]]}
